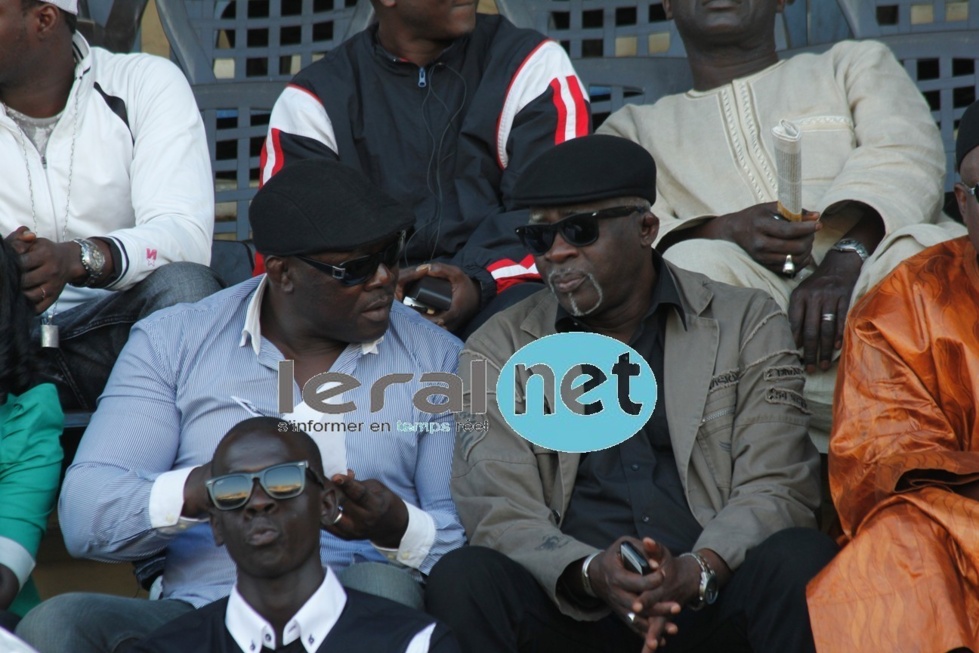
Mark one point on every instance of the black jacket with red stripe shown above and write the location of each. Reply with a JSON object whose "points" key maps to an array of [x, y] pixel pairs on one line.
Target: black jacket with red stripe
{"points": [[449, 139]]}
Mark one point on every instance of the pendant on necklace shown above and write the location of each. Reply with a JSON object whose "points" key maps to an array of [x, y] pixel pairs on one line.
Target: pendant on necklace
{"points": [[49, 333]]}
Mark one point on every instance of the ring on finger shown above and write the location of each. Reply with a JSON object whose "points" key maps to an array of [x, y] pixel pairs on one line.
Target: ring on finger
{"points": [[631, 617], [788, 268], [44, 294], [829, 317], [336, 520]]}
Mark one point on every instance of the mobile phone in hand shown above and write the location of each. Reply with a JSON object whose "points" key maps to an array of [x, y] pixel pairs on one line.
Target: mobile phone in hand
{"points": [[633, 559], [429, 295]]}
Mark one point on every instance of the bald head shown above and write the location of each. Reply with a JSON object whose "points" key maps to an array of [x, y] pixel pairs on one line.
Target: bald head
{"points": [[271, 533], [264, 429]]}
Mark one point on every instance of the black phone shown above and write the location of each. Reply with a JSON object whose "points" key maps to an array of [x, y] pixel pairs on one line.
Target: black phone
{"points": [[429, 295], [633, 559]]}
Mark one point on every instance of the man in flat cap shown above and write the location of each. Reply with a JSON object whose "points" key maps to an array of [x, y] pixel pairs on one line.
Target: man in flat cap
{"points": [[904, 456], [137, 485], [715, 492]]}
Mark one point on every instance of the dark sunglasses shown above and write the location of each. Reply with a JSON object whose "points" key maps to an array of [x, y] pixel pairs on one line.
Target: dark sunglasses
{"points": [[578, 229], [360, 269], [285, 481]]}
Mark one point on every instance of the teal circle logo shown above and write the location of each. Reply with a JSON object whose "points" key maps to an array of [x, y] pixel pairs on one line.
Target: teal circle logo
{"points": [[576, 392]]}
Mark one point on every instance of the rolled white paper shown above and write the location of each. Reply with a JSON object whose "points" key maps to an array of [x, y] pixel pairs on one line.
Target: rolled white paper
{"points": [[788, 164]]}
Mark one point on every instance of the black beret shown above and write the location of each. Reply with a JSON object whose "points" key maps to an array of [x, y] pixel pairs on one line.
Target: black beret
{"points": [[321, 205], [968, 138], [587, 169]]}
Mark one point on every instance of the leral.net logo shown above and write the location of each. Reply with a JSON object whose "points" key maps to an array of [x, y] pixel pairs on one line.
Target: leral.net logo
{"points": [[576, 392]]}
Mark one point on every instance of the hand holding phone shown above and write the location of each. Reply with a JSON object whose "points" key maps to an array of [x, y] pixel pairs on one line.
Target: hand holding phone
{"points": [[429, 295], [633, 559]]}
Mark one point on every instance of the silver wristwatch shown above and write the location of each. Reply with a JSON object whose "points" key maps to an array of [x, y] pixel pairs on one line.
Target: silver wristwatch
{"points": [[92, 260], [851, 245], [707, 591]]}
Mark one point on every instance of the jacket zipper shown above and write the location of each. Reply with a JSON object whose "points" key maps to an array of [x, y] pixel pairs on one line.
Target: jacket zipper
{"points": [[422, 77], [717, 414]]}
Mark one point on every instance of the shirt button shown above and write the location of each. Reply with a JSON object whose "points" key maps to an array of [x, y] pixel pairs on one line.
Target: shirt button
{"points": [[268, 638], [645, 519], [635, 467]]}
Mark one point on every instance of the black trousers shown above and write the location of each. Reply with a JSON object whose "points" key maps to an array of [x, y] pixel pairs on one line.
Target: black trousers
{"points": [[495, 605], [8, 620]]}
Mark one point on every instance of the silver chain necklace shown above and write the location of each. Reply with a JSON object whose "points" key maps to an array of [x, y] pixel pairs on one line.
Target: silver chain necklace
{"points": [[49, 330]]}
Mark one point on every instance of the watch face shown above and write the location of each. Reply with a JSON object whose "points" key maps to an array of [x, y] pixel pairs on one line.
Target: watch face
{"points": [[98, 260], [92, 258], [710, 590]]}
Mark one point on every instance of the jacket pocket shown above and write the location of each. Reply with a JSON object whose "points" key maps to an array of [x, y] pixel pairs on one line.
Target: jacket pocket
{"points": [[828, 141]]}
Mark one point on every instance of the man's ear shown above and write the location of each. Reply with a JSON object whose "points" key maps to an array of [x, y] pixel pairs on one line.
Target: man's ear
{"points": [[648, 229], [47, 19], [329, 508], [779, 6], [667, 9], [280, 272], [961, 197]]}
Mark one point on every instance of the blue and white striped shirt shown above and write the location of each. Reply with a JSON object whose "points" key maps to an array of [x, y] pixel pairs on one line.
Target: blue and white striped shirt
{"points": [[169, 402]]}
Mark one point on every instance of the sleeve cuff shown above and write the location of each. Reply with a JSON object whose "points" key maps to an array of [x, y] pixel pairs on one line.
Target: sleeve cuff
{"points": [[487, 284], [120, 261], [416, 542], [167, 502], [17, 558]]}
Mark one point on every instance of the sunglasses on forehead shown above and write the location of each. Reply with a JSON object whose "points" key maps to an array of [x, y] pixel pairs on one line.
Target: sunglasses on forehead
{"points": [[578, 229], [285, 481], [360, 269]]}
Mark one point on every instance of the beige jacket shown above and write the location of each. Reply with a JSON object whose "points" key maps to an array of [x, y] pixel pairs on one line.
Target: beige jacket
{"points": [[737, 419]]}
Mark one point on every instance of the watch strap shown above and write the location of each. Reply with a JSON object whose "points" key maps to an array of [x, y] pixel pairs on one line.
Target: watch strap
{"points": [[706, 575], [852, 245]]}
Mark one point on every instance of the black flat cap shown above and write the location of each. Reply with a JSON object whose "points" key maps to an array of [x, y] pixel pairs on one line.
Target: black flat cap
{"points": [[587, 169], [968, 138], [319, 205]]}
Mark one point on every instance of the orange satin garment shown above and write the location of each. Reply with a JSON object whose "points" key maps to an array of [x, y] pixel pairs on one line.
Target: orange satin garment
{"points": [[906, 431]]}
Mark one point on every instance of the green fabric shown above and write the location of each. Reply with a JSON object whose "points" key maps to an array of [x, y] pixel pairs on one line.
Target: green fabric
{"points": [[30, 469], [26, 599]]}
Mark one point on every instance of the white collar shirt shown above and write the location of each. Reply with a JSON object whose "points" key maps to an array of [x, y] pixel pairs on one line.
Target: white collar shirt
{"points": [[311, 624]]}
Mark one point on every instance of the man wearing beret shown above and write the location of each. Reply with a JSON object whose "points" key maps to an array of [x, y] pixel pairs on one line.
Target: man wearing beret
{"points": [[904, 456], [137, 485], [716, 491]]}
